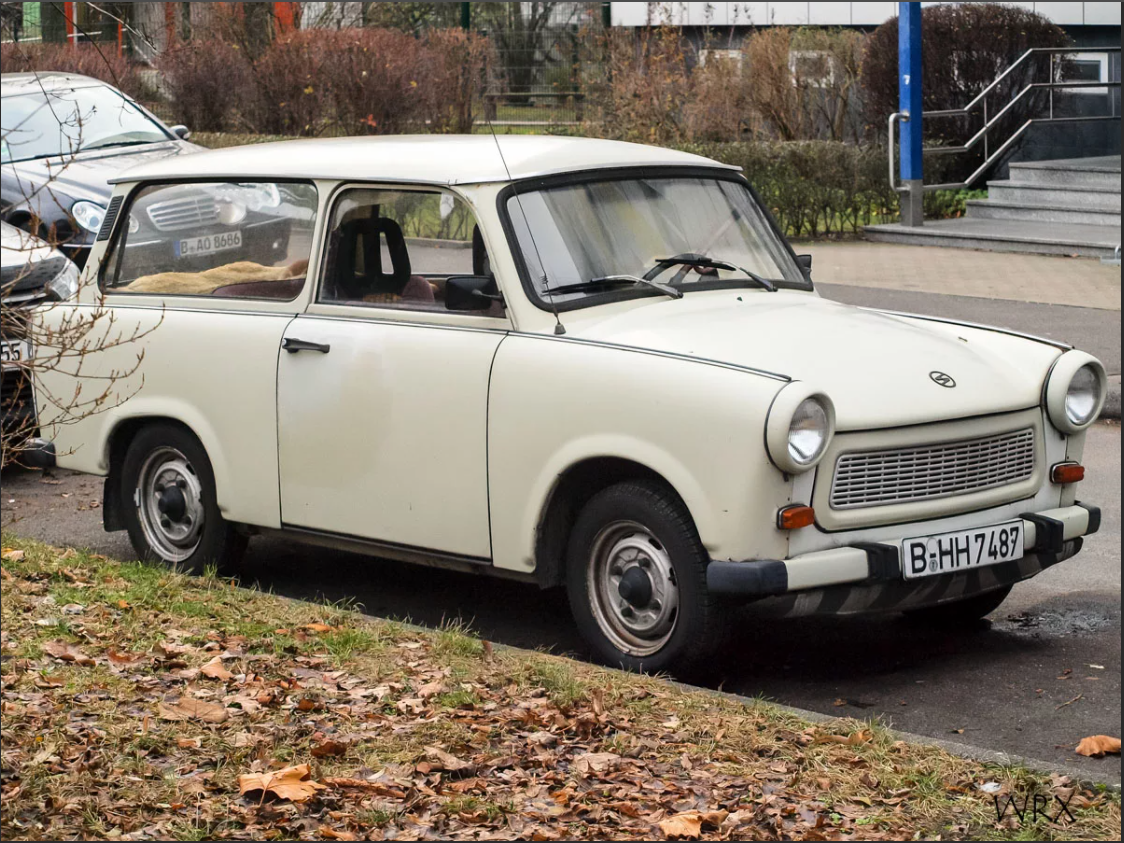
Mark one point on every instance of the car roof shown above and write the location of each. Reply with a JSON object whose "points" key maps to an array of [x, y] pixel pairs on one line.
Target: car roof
{"points": [[429, 159], [50, 80]]}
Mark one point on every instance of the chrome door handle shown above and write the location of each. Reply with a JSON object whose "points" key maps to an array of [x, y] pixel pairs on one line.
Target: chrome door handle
{"points": [[293, 345]]}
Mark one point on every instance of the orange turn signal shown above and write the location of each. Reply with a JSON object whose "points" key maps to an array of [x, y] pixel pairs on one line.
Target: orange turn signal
{"points": [[1067, 472], [795, 517]]}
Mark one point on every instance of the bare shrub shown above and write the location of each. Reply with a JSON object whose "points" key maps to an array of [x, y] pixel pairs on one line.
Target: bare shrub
{"points": [[966, 46], [205, 79], [97, 61], [288, 93], [644, 87], [456, 65]]}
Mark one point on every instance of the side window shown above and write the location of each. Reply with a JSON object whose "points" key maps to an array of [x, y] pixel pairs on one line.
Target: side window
{"points": [[237, 240], [398, 249]]}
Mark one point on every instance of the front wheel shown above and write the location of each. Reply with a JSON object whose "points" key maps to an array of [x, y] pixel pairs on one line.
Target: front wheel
{"points": [[636, 580], [171, 510]]}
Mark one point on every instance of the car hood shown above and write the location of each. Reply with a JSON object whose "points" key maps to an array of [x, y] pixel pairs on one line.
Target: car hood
{"points": [[877, 367], [86, 175]]}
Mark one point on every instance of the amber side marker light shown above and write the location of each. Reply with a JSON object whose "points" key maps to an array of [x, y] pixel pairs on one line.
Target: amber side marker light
{"points": [[795, 517], [1067, 472]]}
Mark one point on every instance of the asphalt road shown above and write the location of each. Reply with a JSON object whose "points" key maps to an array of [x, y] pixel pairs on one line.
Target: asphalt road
{"points": [[1041, 674]]}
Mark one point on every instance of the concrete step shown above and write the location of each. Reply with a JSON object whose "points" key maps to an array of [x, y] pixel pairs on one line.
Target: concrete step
{"points": [[1042, 238], [1031, 193], [1088, 172], [989, 209]]}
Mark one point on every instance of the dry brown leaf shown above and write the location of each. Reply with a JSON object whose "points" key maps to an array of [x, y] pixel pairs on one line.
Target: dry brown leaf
{"points": [[11, 555], [689, 824], [318, 628], [330, 747], [67, 652], [190, 708], [441, 761], [215, 670], [431, 690], [293, 784], [189, 743], [329, 833], [1099, 746], [124, 659], [595, 762], [858, 738]]}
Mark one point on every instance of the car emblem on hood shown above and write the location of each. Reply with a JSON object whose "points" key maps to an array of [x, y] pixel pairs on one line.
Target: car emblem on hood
{"points": [[941, 379]]}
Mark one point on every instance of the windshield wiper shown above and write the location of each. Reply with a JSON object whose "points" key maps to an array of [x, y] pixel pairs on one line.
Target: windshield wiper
{"points": [[703, 262], [117, 143], [613, 281]]}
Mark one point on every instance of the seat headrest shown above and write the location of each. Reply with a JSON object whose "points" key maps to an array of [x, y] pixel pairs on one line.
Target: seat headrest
{"points": [[374, 278]]}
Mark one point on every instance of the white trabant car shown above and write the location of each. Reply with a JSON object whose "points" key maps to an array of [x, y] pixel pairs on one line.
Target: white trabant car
{"points": [[578, 363]]}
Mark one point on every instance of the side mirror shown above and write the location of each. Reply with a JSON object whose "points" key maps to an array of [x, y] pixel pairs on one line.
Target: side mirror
{"points": [[471, 292], [805, 264], [181, 132]]}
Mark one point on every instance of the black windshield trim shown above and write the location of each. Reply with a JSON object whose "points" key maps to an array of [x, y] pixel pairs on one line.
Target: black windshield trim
{"points": [[626, 174]]}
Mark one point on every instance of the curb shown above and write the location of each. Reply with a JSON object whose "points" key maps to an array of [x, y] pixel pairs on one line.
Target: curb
{"points": [[1112, 401], [972, 753]]}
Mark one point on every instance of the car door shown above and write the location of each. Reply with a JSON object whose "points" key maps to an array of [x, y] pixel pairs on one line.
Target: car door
{"points": [[382, 392]]}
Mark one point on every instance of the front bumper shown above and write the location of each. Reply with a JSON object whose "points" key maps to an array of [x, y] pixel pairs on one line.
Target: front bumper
{"points": [[865, 578]]}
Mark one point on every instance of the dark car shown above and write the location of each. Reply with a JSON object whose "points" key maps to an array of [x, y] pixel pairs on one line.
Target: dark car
{"points": [[63, 137]]}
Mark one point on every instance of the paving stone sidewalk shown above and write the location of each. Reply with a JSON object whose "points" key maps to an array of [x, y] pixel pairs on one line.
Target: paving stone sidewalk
{"points": [[1046, 279]]}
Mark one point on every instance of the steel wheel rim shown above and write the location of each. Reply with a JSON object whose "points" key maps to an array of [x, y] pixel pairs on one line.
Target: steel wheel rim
{"points": [[169, 499], [632, 588]]}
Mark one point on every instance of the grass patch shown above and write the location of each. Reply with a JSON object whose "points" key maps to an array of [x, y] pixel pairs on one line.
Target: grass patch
{"points": [[134, 713]]}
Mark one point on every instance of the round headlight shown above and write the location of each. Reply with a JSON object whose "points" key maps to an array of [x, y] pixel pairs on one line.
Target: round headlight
{"points": [[1075, 391], [807, 435], [1081, 397], [799, 428], [89, 215]]}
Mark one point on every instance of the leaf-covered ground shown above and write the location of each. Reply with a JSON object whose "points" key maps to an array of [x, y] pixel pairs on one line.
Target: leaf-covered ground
{"points": [[142, 704]]}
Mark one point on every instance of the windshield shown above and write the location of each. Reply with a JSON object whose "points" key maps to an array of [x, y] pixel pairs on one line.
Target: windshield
{"points": [[53, 123], [598, 231]]}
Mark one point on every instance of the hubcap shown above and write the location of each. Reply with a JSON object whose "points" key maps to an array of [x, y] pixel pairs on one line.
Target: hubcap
{"points": [[632, 588], [170, 504]]}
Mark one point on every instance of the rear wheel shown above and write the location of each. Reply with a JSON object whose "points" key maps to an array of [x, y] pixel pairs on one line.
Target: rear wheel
{"points": [[636, 580], [170, 506], [962, 611]]}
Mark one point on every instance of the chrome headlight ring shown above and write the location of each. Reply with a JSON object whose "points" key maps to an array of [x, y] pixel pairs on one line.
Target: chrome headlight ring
{"points": [[799, 428], [1075, 392]]}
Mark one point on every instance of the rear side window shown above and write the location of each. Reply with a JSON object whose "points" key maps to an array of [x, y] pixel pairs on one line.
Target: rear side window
{"points": [[227, 239]]}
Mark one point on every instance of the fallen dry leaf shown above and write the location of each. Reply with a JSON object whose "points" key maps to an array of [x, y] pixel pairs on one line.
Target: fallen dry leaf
{"points": [[215, 670], [440, 761], [689, 824], [1099, 746], [595, 762], [318, 627], [858, 738], [120, 659], [330, 747], [190, 708], [10, 555], [293, 784], [67, 652]]}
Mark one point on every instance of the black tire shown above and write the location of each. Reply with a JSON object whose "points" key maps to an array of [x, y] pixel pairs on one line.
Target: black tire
{"points": [[962, 612], [665, 527], [209, 539]]}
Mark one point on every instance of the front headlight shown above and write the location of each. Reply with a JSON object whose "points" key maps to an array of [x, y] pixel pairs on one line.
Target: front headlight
{"points": [[89, 215], [1075, 391], [64, 286], [799, 428]]}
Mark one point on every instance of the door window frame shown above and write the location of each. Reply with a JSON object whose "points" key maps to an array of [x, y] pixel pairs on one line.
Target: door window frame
{"points": [[379, 311], [191, 301]]}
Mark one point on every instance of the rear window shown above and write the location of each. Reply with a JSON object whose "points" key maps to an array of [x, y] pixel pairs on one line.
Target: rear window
{"points": [[226, 239]]}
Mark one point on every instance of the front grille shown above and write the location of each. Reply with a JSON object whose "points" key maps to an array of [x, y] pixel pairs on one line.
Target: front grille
{"points": [[926, 472], [176, 214]]}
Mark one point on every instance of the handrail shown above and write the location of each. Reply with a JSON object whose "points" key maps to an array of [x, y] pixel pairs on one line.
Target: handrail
{"points": [[1032, 51], [991, 157]]}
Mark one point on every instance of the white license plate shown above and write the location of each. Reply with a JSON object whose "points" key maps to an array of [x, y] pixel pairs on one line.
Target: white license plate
{"points": [[208, 244], [14, 351], [947, 553]]}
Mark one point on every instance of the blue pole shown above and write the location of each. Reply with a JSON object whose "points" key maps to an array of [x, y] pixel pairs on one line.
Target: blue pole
{"points": [[909, 102]]}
